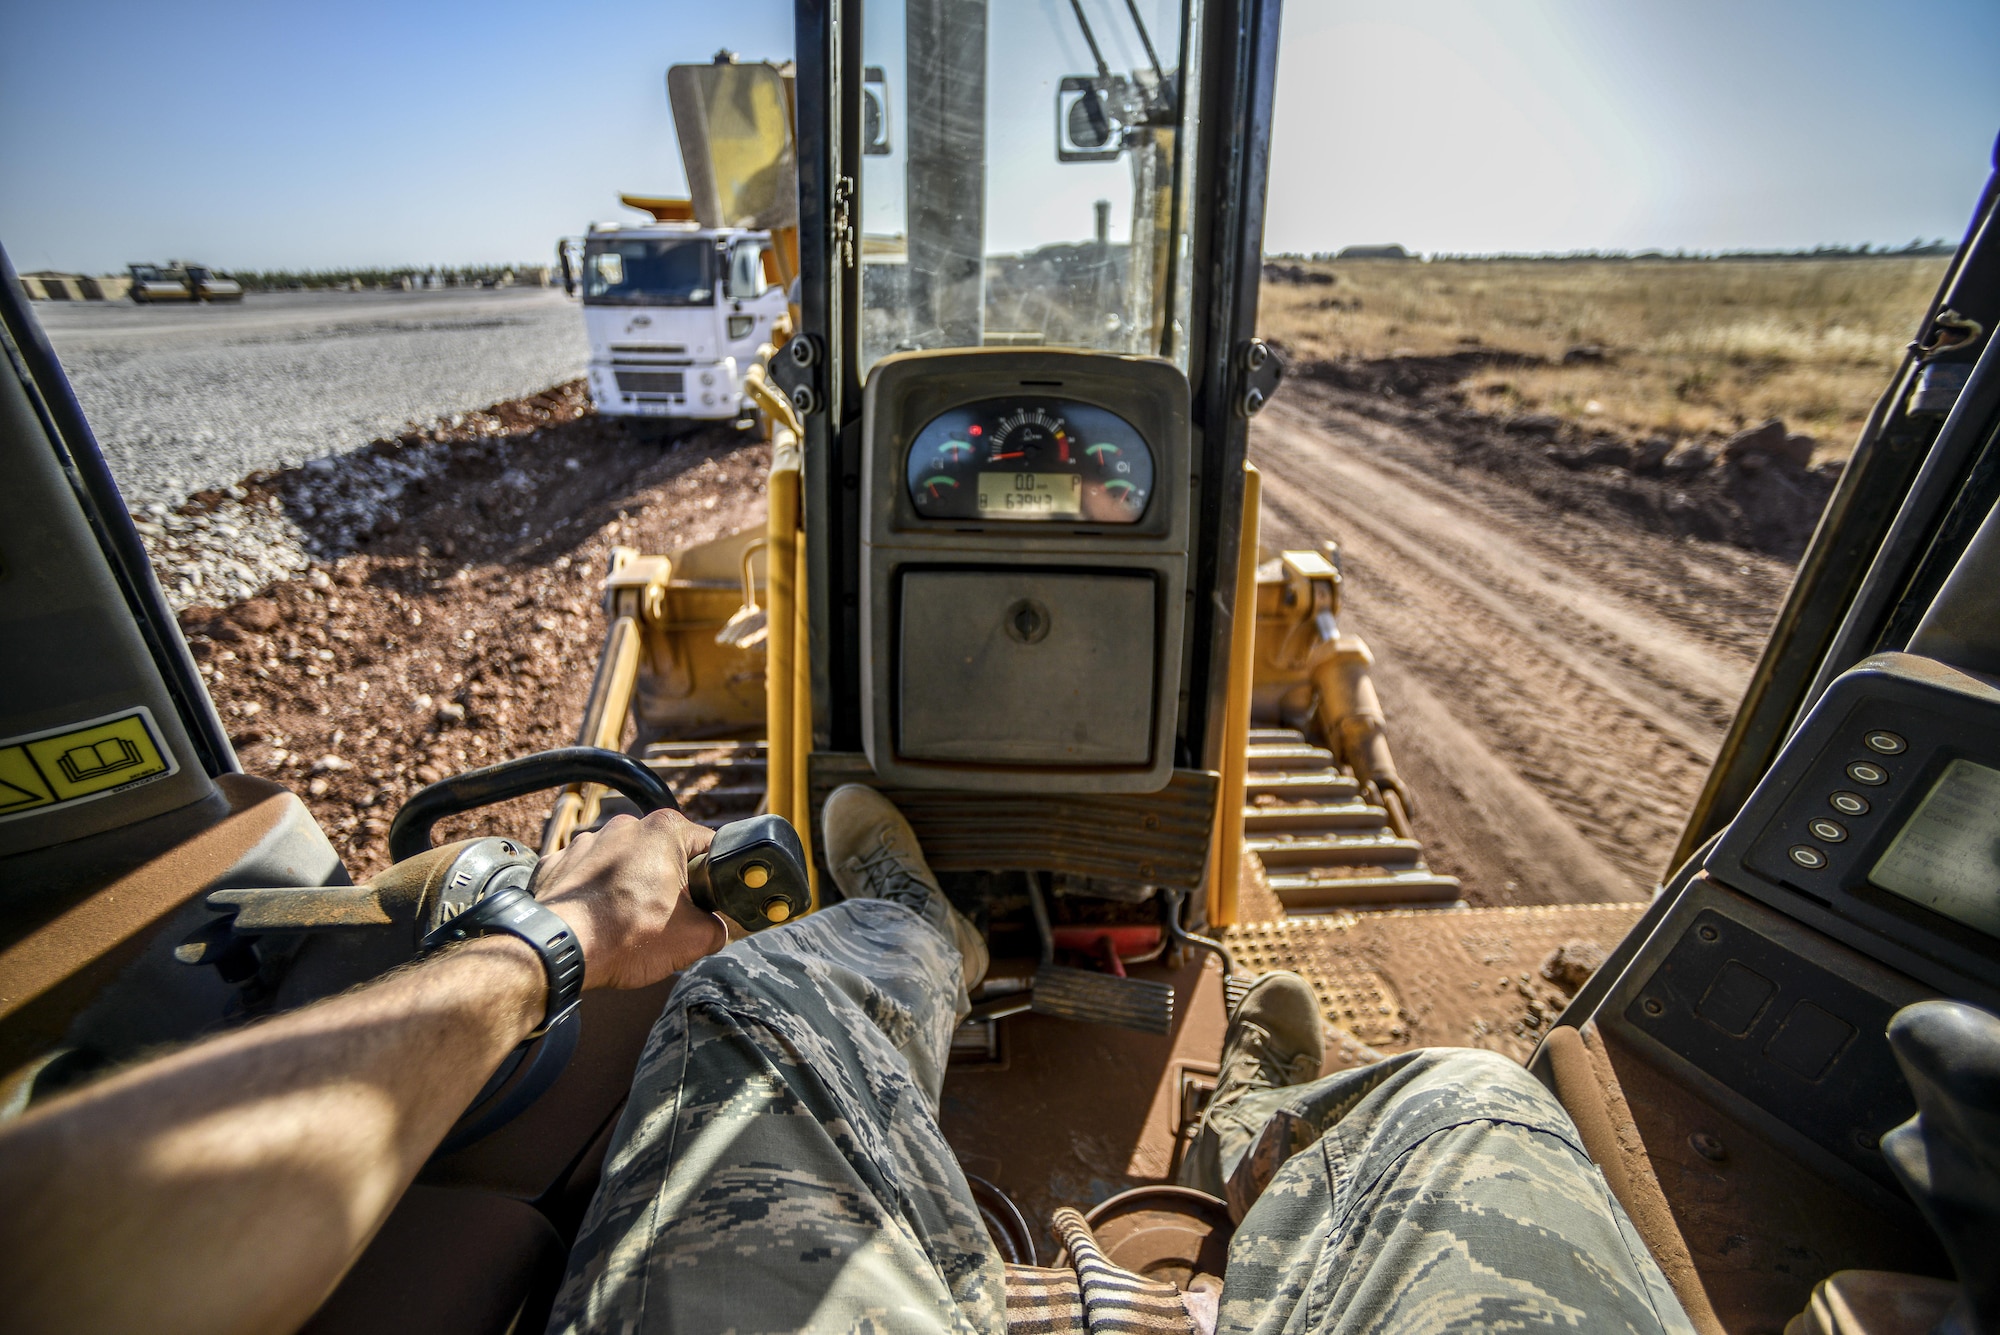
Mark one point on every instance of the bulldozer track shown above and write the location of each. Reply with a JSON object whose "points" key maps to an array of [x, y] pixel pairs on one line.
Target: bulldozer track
{"points": [[1557, 687]]}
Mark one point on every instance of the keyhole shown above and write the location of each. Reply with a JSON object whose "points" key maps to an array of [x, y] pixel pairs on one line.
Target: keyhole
{"points": [[1027, 621]]}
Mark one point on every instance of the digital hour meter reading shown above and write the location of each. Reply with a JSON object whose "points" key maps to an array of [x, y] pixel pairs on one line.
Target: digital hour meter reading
{"points": [[1030, 495]]}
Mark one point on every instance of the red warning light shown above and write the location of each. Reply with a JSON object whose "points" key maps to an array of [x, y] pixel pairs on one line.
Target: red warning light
{"points": [[974, 431]]}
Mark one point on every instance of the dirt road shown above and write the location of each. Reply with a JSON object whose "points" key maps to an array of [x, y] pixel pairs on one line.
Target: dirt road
{"points": [[1556, 684]]}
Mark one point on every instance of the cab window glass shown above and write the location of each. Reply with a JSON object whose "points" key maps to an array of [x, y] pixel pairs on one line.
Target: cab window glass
{"points": [[1023, 181], [632, 271]]}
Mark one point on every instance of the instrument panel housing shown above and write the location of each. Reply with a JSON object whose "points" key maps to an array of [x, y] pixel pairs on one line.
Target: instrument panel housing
{"points": [[962, 617], [1935, 714]]}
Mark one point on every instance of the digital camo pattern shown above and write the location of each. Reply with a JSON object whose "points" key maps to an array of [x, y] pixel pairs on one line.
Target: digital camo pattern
{"points": [[1442, 1190], [779, 1166]]}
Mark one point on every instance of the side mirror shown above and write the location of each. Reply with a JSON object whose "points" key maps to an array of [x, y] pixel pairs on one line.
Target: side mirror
{"points": [[1090, 125], [566, 264], [745, 271], [875, 141]]}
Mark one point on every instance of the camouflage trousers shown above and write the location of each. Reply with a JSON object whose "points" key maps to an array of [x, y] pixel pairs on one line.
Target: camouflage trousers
{"points": [[779, 1167], [1439, 1190]]}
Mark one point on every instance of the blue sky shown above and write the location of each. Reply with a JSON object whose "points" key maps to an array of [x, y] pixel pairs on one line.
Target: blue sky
{"points": [[263, 136]]}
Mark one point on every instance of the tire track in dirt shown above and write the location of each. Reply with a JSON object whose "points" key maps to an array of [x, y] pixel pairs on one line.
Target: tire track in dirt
{"points": [[1556, 687]]}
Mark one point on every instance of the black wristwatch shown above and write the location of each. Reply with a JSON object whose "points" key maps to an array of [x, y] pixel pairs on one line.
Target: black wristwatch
{"points": [[514, 911]]}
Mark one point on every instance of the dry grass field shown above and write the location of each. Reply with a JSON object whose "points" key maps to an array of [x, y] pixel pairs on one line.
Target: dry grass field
{"points": [[1671, 347]]}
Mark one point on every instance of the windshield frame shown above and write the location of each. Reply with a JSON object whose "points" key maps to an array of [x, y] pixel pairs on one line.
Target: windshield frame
{"points": [[936, 235], [688, 296]]}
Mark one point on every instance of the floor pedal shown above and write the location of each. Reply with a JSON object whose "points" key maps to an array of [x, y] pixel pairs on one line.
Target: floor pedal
{"points": [[1100, 998], [1235, 987]]}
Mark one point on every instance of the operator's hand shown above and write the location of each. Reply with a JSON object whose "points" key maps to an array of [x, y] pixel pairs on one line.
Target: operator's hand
{"points": [[623, 891]]}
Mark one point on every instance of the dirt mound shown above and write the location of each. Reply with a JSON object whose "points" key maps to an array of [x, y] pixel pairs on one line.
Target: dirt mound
{"points": [[1757, 490], [450, 617], [1298, 273]]}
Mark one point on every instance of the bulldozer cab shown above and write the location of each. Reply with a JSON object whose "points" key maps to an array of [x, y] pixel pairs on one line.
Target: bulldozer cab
{"points": [[1011, 576]]}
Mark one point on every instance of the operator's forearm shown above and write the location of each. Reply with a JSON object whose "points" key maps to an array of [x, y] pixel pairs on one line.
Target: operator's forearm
{"points": [[228, 1187]]}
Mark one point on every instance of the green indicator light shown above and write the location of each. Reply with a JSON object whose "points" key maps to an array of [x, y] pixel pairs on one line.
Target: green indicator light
{"points": [[955, 447], [941, 479], [1118, 485], [1102, 449]]}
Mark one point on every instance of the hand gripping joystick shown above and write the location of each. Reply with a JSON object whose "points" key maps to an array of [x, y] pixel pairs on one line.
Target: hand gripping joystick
{"points": [[755, 872], [1948, 1155]]}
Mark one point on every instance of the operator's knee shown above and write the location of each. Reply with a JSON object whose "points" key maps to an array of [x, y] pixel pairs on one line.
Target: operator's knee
{"points": [[1489, 1080], [860, 963], [1453, 1086]]}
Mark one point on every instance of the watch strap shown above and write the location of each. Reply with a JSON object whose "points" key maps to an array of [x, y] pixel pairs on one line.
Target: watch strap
{"points": [[513, 911]]}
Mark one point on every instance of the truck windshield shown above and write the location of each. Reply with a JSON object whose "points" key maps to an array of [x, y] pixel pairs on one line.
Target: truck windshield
{"points": [[1024, 180], [640, 271]]}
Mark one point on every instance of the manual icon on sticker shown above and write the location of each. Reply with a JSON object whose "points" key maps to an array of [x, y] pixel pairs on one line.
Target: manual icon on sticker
{"points": [[80, 761]]}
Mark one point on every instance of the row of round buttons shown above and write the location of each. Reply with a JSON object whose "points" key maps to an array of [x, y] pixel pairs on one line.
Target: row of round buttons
{"points": [[1864, 772]]}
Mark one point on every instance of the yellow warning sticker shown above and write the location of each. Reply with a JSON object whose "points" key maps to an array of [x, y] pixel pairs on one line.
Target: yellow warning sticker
{"points": [[21, 786], [79, 761]]}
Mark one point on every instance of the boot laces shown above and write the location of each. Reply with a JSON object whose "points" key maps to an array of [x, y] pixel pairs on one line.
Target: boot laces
{"points": [[889, 877], [1255, 1062]]}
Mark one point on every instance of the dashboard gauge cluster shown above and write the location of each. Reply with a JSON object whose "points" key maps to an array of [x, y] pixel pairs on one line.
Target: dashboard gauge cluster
{"points": [[1030, 460]]}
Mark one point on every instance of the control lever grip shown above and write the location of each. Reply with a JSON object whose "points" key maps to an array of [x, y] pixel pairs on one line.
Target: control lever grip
{"points": [[754, 872], [1948, 1155]]}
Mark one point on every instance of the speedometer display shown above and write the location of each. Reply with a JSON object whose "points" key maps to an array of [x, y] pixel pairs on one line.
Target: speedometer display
{"points": [[1032, 460]]}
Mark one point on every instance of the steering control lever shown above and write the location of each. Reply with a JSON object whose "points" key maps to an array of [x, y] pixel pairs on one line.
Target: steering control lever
{"points": [[754, 872]]}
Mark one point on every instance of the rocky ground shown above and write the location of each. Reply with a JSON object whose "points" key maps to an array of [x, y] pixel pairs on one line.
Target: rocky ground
{"points": [[432, 602]]}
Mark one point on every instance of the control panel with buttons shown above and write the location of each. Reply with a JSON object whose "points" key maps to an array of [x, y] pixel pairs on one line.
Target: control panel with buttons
{"points": [[1885, 810]]}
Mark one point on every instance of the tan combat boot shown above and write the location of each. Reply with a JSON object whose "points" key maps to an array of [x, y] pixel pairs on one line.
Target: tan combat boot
{"points": [[1275, 1038], [875, 855]]}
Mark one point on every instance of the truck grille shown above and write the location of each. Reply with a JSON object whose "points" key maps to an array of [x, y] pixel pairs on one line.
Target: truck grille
{"points": [[649, 382]]}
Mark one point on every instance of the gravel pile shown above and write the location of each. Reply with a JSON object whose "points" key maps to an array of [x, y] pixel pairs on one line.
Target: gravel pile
{"points": [[222, 554], [225, 544], [190, 398]]}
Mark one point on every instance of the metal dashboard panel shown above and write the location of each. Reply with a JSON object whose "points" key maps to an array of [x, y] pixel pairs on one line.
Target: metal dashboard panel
{"points": [[1777, 1022], [1026, 666]]}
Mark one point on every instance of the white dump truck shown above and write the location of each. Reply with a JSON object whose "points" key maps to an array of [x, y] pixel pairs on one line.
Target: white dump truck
{"points": [[675, 314]]}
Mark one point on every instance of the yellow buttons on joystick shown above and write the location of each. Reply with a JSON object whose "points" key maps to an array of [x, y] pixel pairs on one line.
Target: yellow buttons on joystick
{"points": [[756, 875]]}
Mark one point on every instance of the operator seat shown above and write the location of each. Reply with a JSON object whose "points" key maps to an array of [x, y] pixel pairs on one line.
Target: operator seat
{"points": [[450, 1262]]}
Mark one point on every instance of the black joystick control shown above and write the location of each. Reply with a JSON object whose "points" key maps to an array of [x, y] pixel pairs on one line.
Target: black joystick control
{"points": [[1948, 1155], [755, 872]]}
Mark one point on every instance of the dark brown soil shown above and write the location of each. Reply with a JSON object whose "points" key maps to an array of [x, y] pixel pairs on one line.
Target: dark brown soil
{"points": [[1680, 488], [462, 627]]}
